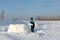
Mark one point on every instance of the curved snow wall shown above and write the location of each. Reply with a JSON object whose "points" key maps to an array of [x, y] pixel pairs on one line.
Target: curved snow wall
{"points": [[18, 28]]}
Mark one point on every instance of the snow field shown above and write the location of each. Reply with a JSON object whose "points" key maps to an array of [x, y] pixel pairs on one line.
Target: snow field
{"points": [[44, 30]]}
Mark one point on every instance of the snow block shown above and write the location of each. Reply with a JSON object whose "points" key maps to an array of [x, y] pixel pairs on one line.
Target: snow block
{"points": [[18, 28]]}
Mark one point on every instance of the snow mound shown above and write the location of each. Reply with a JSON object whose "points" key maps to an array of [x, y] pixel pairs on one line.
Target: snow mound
{"points": [[18, 28], [41, 31]]}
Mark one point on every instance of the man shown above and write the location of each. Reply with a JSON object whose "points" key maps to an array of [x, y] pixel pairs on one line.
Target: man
{"points": [[33, 24]]}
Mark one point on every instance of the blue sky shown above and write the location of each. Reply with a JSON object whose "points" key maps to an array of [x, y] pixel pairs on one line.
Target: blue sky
{"points": [[27, 8]]}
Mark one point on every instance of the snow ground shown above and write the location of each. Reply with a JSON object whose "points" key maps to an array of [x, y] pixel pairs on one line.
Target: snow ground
{"points": [[44, 30]]}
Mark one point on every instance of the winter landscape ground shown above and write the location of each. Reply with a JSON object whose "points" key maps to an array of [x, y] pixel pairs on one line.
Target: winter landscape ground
{"points": [[44, 30]]}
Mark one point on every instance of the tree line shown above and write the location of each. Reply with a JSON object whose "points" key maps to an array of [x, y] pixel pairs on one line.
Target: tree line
{"points": [[48, 18]]}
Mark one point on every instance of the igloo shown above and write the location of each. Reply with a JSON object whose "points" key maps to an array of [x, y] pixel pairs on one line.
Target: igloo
{"points": [[18, 28]]}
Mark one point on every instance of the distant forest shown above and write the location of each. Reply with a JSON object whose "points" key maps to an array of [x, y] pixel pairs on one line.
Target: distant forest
{"points": [[53, 18]]}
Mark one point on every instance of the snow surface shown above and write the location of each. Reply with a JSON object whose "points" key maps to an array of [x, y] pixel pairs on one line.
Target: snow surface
{"points": [[44, 30]]}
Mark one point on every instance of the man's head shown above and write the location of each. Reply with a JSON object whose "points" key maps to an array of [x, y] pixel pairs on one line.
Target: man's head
{"points": [[31, 18]]}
